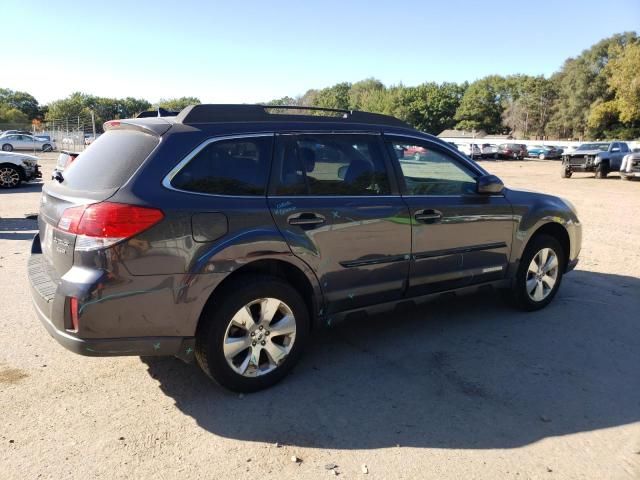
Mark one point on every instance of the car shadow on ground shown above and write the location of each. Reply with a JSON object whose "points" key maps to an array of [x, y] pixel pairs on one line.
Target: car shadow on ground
{"points": [[465, 372], [18, 228], [28, 187]]}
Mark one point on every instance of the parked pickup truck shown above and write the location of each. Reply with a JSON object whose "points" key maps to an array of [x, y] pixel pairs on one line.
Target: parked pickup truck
{"points": [[630, 167], [601, 158]]}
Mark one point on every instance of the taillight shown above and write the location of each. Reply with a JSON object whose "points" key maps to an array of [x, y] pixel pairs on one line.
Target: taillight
{"points": [[100, 225], [73, 310]]}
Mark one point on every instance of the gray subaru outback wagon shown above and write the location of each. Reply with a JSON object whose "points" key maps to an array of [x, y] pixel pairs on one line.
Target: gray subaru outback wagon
{"points": [[229, 233]]}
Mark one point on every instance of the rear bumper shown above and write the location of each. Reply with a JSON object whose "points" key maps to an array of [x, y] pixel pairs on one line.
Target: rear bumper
{"points": [[112, 347], [50, 301]]}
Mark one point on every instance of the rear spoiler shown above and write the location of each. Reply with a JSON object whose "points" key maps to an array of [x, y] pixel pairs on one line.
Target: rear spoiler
{"points": [[150, 125], [160, 112]]}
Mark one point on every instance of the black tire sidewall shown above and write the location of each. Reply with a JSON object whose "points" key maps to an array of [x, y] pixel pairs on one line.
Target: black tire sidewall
{"points": [[10, 149], [216, 318], [519, 291]]}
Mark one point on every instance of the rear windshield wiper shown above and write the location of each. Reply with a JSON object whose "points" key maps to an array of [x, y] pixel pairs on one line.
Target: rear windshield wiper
{"points": [[58, 176]]}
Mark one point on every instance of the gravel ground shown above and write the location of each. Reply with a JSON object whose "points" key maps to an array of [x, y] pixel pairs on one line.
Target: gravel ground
{"points": [[461, 388]]}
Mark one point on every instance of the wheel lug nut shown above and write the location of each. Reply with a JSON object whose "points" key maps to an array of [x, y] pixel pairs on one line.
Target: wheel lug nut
{"points": [[253, 334], [263, 342], [267, 332], [260, 327]]}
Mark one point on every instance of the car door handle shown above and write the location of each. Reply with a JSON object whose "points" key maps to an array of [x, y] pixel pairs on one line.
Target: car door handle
{"points": [[306, 219], [428, 216]]}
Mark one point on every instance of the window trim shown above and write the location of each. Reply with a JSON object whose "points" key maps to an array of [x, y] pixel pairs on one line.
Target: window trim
{"points": [[166, 181], [394, 187], [466, 165]]}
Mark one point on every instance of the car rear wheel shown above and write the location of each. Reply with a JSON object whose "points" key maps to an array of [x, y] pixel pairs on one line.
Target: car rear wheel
{"points": [[252, 339], [7, 147], [539, 274], [542, 156], [10, 176]]}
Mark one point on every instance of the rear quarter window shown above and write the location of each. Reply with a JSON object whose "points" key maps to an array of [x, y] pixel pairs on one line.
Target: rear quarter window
{"points": [[110, 161], [236, 166]]}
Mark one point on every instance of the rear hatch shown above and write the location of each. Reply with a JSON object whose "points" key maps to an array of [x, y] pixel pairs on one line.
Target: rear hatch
{"points": [[96, 175]]}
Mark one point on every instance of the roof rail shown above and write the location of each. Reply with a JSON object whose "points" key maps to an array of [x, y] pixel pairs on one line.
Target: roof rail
{"points": [[160, 112], [206, 113]]}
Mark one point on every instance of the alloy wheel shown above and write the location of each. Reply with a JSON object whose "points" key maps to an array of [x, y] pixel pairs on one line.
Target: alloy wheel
{"points": [[259, 337], [9, 177], [542, 274]]}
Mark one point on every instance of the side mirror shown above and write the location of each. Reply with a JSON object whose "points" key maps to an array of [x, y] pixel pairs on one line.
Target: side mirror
{"points": [[342, 172], [489, 184]]}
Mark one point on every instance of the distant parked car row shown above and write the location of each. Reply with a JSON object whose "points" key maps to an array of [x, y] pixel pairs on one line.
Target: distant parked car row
{"points": [[22, 141]]}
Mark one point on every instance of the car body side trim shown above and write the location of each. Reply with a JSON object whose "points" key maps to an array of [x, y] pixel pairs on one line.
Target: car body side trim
{"points": [[375, 261], [454, 251]]}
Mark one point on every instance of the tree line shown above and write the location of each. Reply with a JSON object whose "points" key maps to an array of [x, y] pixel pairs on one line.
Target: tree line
{"points": [[594, 95]]}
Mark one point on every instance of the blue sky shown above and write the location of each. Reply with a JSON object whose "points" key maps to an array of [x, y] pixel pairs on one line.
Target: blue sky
{"points": [[249, 51]]}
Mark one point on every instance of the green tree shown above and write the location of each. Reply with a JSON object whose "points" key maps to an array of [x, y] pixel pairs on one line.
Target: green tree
{"points": [[481, 106], [430, 107], [527, 104], [620, 117], [11, 117], [177, 104], [361, 89], [21, 101], [583, 85], [336, 96]]}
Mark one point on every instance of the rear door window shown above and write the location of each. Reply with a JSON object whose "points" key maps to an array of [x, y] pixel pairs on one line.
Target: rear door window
{"points": [[110, 161], [330, 164], [237, 166]]}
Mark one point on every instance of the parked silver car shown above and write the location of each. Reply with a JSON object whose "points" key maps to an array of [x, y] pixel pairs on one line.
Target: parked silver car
{"points": [[11, 142], [16, 168]]}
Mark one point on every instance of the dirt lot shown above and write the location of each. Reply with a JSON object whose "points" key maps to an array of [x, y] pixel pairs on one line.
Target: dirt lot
{"points": [[463, 388]]}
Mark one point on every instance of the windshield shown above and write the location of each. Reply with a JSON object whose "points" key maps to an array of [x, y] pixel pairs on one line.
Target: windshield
{"points": [[603, 147]]}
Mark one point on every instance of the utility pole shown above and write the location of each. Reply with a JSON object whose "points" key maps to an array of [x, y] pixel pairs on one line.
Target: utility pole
{"points": [[93, 123]]}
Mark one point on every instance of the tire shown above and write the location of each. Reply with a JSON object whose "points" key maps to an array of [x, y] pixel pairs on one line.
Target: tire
{"points": [[542, 156], [217, 326], [526, 285], [601, 171], [47, 148], [10, 176], [565, 173], [7, 147]]}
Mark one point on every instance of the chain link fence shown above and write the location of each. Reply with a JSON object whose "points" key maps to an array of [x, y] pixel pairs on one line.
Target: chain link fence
{"points": [[73, 133]]}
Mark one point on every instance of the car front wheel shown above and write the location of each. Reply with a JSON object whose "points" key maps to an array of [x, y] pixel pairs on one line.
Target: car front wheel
{"points": [[601, 171], [253, 337], [10, 177], [539, 274]]}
